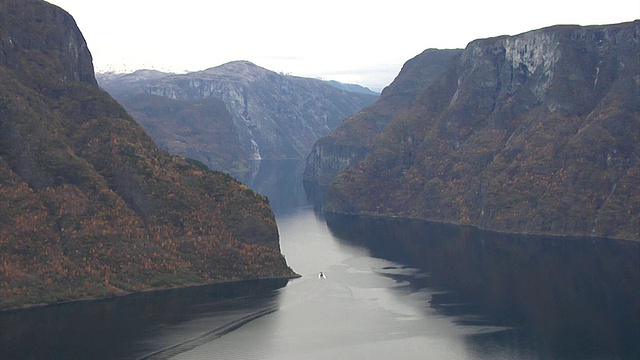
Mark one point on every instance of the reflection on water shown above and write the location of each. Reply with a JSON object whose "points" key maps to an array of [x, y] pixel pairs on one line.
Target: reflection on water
{"points": [[365, 308], [135, 326], [571, 297], [280, 181], [393, 289]]}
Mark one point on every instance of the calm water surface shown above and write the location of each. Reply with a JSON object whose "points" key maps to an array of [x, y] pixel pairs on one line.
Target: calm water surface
{"points": [[393, 289]]}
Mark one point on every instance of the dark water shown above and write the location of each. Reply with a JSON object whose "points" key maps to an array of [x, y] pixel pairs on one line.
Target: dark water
{"points": [[563, 297], [393, 289], [135, 326]]}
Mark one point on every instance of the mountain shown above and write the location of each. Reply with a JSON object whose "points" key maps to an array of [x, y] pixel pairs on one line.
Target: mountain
{"points": [[90, 206], [199, 129], [352, 87], [534, 133], [352, 139], [275, 116]]}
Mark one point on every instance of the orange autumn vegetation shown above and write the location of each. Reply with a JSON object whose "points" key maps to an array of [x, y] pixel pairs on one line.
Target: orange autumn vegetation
{"points": [[89, 206]]}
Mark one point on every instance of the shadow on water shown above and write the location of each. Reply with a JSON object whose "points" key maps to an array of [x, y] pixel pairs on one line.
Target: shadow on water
{"points": [[279, 180], [555, 298], [119, 328], [566, 297]]}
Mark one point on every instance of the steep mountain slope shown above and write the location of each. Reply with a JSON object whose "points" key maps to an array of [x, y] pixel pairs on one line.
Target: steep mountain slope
{"points": [[90, 206], [275, 116], [534, 133], [352, 139], [201, 129]]}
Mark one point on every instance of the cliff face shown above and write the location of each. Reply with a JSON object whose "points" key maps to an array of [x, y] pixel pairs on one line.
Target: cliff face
{"points": [[275, 116], [49, 37], [349, 143], [535, 133], [90, 206]]}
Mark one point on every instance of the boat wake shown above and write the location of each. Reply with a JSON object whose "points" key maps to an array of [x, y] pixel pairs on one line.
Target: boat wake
{"points": [[191, 344]]}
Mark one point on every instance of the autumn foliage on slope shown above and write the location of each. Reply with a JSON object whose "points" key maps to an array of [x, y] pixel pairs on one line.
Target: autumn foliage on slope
{"points": [[90, 207], [534, 133]]}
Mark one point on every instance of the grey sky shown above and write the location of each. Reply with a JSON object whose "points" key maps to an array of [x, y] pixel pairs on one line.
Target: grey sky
{"points": [[357, 41]]}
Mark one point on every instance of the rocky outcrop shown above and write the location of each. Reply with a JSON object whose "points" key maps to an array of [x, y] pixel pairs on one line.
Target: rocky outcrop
{"points": [[352, 139], [275, 116], [90, 207], [57, 39], [534, 133]]}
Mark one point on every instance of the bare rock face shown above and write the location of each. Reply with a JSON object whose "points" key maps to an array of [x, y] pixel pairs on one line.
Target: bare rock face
{"points": [[58, 32], [534, 133], [275, 116]]}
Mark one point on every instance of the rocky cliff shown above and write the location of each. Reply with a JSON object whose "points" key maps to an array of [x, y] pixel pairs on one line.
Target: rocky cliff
{"points": [[275, 116], [90, 206], [534, 133]]}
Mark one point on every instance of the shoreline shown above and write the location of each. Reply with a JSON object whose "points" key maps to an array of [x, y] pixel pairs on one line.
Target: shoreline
{"points": [[145, 291], [451, 223]]}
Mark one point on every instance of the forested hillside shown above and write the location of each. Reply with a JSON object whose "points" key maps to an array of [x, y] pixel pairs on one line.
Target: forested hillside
{"points": [[90, 206], [534, 133]]}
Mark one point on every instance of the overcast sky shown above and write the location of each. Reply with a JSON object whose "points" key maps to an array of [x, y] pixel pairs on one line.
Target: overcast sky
{"points": [[353, 41]]}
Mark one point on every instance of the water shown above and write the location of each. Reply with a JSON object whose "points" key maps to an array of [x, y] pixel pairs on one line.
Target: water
{"points": [[560, 298], [364, 308], [393, 289]]}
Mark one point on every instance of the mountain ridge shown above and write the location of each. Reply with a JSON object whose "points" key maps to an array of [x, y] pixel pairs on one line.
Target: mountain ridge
{"points": [[349, 143], [533, 133], [91, 207], [276, 116]]}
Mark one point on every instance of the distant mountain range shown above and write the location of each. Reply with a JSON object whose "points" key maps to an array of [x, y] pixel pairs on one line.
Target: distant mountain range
{"points": [[352, 88], [534, 133], [90, 207], [235, 112]]}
